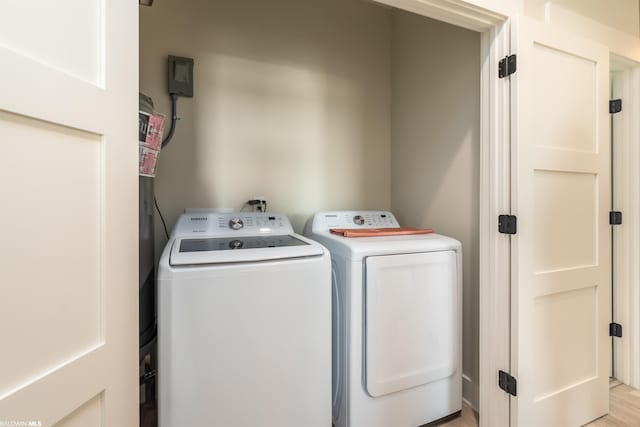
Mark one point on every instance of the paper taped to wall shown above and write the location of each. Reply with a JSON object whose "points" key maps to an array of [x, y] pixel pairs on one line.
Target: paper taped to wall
{"points": [[150, 131]]}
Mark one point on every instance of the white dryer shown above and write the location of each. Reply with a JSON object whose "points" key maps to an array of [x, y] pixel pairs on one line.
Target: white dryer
{"points": [[244, 324], [397, 325]]}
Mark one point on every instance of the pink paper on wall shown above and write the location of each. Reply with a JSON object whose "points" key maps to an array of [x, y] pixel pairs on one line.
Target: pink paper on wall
{"points": [[148, 161], [151, 129], [155, 129]]}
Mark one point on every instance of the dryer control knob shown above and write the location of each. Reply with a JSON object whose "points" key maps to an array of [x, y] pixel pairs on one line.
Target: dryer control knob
{"points": [[236, 244], [236, 223], [358, 219]]}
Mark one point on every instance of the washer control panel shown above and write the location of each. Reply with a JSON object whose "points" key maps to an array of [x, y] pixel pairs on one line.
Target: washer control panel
{"points": [[236, 223], [353, 219], [231, 224]]}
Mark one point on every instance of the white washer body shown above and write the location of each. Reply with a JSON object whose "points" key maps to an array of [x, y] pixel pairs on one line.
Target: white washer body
{"points": [[397, 323], [244, 334]]}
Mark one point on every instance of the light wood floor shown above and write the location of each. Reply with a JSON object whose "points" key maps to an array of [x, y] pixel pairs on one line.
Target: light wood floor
{"points": [[468, 418], [624, 408], [624, 411]]}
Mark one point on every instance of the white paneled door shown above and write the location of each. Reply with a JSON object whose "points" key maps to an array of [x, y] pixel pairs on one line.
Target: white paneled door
{"points": [[68, 213], [561, 265]]}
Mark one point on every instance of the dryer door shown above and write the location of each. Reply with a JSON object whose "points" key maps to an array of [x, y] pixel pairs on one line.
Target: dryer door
{"points": [[411, 315]]}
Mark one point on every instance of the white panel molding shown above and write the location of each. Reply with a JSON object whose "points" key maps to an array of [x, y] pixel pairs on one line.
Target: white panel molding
{"points": [[70, 35], [90, 413], [107, 361], [558, 400], [49, 97], [37, 393], [625, 50]]}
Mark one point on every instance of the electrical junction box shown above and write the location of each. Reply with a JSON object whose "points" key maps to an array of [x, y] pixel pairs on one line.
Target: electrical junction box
{"points": [[181, 76]]}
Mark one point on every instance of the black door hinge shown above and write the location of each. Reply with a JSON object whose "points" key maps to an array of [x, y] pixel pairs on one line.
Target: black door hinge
{"points": [[507, 66], [615, 218], [615, 106], [507, 224], [507, 383], [147, 376], [615, 330]]}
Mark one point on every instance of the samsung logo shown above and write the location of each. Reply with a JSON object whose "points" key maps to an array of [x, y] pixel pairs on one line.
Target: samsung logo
{"points": [[198, 218]]}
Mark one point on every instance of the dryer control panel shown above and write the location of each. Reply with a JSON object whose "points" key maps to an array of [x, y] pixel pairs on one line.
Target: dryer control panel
{"points": [[351, 219], [231, 224]]}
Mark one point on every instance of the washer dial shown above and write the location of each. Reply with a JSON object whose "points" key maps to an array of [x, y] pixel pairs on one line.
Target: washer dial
{"points": [[236, 223]]}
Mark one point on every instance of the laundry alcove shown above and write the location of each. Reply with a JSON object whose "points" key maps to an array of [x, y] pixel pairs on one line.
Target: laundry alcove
{"points": [[324, 104]]}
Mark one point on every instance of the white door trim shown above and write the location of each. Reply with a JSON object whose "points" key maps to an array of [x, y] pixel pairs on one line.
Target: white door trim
{"points": [[455, 12], [626, 195], [495, 193], [495, 248]]}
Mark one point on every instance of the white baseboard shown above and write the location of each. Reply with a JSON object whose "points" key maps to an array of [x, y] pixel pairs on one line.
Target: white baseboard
{"points": [[470, 393]]}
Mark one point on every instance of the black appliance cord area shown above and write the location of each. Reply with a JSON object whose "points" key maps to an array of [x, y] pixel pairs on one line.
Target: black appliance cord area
{"points": [[164, 224], [174, 119]]}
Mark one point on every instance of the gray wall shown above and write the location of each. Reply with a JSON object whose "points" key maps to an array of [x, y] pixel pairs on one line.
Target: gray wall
{"points": [[291, 103], [435, 149]]}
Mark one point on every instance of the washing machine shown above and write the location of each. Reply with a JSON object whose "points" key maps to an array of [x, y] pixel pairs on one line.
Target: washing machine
{"points": [[397, 325], [244, 324]]}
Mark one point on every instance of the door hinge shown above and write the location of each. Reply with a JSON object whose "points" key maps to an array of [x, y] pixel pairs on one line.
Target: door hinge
{"points": [[615, 218], [147, 376], [615, 106], [507, 224], [507, 66], [507, 383], [615, 330]]}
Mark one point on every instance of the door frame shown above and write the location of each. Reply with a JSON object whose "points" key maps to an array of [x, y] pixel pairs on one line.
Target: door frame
{"points": [[495, 196], [626, 198]]}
